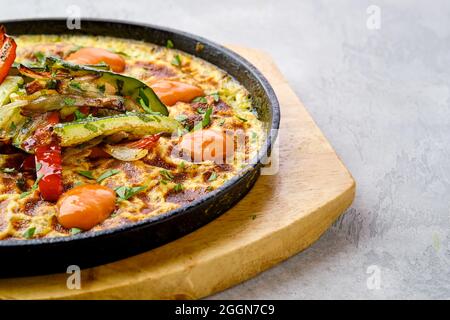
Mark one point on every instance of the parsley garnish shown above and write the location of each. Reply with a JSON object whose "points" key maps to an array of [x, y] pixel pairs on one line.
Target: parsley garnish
{"points": [[38, 166], [215, 96], [206, 120], [74, 231], [107, 174], [29, 233], [69, 101], [13, 126], [40, 56], [179, 187], [242, 119], [79, 115], [166, 174], [125, 193], [33, 188], [213, 176], [145, 104], [76, 85], [169, 44], [200, 99], [181, 117], [176, 61], [87, 174]]}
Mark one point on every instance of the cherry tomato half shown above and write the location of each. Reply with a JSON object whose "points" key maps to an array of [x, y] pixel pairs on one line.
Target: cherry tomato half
{"points": [[85, 206]]}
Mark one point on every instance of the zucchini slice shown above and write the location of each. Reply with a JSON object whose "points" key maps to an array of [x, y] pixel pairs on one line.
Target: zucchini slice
{"points": [[126, 86], [8, 86], [137, 124]]}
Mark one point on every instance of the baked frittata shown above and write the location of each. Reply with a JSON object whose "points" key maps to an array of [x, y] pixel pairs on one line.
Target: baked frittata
{"points": [[97, 132]]}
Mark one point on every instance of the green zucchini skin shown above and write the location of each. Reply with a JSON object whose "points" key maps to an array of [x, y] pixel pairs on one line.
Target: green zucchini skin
{"points": [[128, 86], [9, 85], [139, 125]]}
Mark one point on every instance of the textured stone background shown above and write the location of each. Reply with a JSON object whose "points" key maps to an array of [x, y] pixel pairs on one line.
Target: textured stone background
{"points": [[380, 96]]}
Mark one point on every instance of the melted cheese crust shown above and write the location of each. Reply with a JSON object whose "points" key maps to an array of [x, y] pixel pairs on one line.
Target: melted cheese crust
{"points": [[148, 63]]}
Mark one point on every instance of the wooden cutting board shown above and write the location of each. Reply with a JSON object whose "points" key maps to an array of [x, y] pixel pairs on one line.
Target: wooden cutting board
{"points": [[281, 216]]}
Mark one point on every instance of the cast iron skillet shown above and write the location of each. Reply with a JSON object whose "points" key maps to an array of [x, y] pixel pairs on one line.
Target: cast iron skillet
{"points": [[30, 257]]}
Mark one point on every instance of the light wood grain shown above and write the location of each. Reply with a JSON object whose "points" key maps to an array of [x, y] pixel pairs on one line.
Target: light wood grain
{"points": [[282, 215]]}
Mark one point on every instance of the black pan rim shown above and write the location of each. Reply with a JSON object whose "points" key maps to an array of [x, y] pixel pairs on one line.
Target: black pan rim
{"points": [[221, 191]]}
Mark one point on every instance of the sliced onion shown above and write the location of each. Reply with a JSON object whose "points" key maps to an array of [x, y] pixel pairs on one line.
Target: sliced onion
{"points": [[125, 153], [59, 101]]}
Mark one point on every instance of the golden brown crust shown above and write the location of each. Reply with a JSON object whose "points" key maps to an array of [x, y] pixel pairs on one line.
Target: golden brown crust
{"points": [[170, 181]]}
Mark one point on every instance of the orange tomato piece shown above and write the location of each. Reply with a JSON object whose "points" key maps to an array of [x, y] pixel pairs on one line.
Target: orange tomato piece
{"points": [[208, 144], [170, 92], [85, 206], [97, 55]]}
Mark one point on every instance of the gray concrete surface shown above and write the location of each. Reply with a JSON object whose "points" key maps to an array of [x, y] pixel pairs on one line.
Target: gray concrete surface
{"points": [[382, 98]]}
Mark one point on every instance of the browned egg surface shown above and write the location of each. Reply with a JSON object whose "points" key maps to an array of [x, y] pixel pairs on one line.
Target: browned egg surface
{"points": [[169, 180]]}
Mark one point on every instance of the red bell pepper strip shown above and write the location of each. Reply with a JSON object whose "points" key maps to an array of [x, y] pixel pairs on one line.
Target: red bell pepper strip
{"points": [[144, 143], [7, 53], [48, 161]]}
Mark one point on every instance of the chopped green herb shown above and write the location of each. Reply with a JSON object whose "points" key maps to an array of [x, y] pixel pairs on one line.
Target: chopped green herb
{"points": [[33, 188], [198, 126], [40, 56], [166, 174], [29, 233], [69, 101], [181, 117], [125, 193], [8, 170], [107, 174], [200, 99], [207, 118], [164, 181], [215, 96], [205, 122], [144, 105], [181, 132], [213, 176], [91, 127], [179, 187], [242, 119], [87, 174], [75, 231], [79, 115], [122, 53], [38, 166], [169, 44], [13, 126], [176, 61], [76, 85], [182, 165]]}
